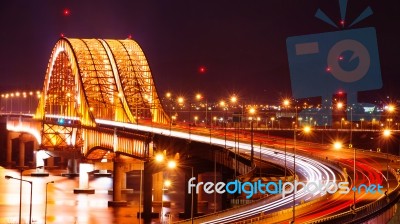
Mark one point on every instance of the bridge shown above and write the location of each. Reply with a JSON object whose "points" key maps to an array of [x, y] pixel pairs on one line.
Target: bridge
{"points": [[99, 107]]}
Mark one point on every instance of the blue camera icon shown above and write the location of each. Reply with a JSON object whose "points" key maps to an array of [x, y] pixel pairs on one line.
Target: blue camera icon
{"points": [[325, 63]]}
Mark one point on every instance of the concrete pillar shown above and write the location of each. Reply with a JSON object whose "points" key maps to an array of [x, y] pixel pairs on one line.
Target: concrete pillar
{"points": [[147, 192], [50, 162], [21, 162], [118, 174], [84, 168], [9, 149], [158, 183], [123, 180], [72, 168], [40, 156], [35, 149]]}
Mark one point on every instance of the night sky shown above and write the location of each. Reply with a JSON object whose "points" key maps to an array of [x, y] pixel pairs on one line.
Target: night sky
{"points": [[241, 44]]}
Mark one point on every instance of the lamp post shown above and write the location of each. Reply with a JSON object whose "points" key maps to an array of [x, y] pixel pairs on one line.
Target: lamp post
{"points": [[387, 133], [20, 196], [223, 105], [252, 111], [286, 103], [391, 109], [45, 205], [234, 100]]}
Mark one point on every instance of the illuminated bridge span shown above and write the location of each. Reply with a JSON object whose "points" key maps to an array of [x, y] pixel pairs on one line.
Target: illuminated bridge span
{"points": [[91, 79]]}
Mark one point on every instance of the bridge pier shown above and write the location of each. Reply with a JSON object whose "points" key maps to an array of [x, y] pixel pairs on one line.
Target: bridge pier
{"points": [[72, 168], [21, 161], [9, 161], [158, 185], [210, 200], [84, 168], [118, 176], [147, 192]]}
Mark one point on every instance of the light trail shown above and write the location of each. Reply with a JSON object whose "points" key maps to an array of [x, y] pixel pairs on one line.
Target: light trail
{"points": [[312, 170]]}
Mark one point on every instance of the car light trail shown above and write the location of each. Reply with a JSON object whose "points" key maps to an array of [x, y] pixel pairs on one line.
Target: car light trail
{"points": [[313, 171]]}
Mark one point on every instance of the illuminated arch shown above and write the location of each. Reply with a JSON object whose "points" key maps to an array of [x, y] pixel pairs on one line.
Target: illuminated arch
{"points": [[89, 79]]}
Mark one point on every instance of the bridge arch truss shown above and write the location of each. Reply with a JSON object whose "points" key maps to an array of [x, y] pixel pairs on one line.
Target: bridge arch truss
{"points": [[95, 79]]}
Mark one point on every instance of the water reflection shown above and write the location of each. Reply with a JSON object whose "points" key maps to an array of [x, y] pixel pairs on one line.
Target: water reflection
{"points": [[63, 206]]}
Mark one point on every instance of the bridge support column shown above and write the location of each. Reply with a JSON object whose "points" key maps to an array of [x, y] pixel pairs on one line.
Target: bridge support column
{"points": [[50, 162], [118, 173], [9, 150], [72, 168], [147, 193], [213, 201], [84, 168], [21, 162], [158, 185], [39, 164]]}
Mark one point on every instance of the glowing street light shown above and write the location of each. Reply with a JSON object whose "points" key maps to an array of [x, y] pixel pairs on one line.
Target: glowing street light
{"points": [[233, 99], [199, 96], [159, 157], [252, 111], [181, 100], [286, 102], [390, 108], [307, 129], [337, 145], [171, 164]]}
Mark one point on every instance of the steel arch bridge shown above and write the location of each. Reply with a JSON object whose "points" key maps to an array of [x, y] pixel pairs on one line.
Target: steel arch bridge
{"points": [[95, 79]]}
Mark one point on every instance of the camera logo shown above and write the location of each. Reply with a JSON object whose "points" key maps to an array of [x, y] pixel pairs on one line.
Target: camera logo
{"points": [[342, 61], [322, 64]]}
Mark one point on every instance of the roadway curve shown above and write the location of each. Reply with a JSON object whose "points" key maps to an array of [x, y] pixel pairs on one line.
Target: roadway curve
{"points": [[369, 171]]}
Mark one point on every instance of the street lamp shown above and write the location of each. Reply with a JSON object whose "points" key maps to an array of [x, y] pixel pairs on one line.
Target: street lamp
{"points": [[252, 111], [45, 205], [286, 104], [223, 105], [386, 134], [337, 145], [20, 196]]}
